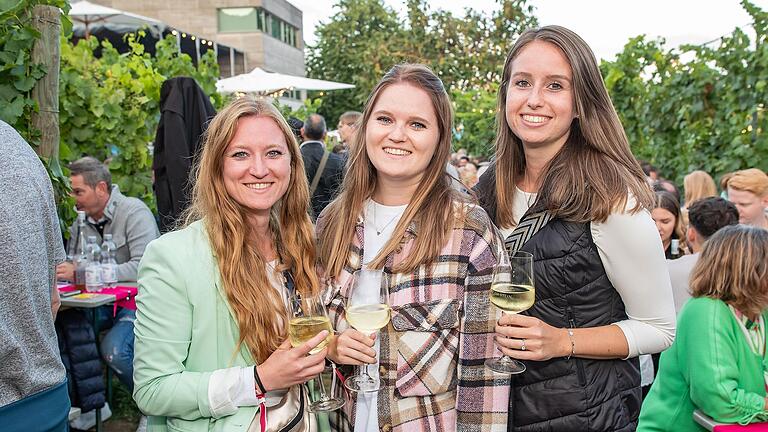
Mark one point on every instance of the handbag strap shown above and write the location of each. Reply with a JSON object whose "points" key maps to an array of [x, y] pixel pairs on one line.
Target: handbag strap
{"points": [[319, 172]]}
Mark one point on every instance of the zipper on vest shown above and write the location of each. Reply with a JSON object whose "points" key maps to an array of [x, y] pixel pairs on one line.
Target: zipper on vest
{"points": [[579, 365]]}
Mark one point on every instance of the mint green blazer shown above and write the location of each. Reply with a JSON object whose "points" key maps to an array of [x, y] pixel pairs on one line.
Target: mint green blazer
{"points": [[184, 331]]}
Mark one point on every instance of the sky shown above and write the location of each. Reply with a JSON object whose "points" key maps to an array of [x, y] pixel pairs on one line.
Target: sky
{"points": [[605, 25]]}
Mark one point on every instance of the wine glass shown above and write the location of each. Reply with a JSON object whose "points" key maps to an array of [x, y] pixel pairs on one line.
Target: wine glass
{"points": [[513, 292], [367, 311], [308, 318]]}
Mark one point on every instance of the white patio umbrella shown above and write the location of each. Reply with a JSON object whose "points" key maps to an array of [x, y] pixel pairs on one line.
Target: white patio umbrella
{"points": [[261, 81], [89, 14]]}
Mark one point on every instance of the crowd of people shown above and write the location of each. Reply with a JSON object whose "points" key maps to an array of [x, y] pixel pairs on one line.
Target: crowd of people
{"points": [[649, 304]]}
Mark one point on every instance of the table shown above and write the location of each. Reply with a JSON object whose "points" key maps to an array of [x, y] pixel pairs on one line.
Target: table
{"points": [[93, 300]]}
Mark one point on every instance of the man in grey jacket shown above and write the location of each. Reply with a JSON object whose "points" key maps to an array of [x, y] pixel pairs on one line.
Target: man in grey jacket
{"points": [[132, 226]]}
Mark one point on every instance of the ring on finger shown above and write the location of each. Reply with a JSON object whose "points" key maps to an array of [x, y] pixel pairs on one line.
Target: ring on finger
{"points": [[522, 348]]}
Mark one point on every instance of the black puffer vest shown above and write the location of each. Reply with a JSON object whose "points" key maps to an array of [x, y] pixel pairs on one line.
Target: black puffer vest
{"points": [[572, 290]]}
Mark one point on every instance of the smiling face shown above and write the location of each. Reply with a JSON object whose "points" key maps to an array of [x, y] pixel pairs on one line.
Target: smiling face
{"points": [[401, 135], [257, 164], [540, 102]]}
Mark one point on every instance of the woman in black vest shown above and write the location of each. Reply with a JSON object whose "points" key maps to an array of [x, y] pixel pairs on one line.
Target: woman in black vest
{"points": [[566, 188]]}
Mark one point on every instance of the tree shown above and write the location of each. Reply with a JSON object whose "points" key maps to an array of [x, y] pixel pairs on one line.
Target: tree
{"points": [[365, 38], [706, 112]]}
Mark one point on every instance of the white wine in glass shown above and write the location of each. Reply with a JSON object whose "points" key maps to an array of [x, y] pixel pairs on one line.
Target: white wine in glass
{"points": [[302, 329], [512, 291], [308, 318], [367, 311]]}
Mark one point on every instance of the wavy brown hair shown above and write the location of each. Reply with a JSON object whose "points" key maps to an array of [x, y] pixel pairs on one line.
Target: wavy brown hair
{"points": [[256, 306], [733, 267], [588, 179], [431, 207]]}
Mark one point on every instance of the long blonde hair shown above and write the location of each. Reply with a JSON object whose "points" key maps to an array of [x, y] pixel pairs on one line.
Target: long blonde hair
{"points": [[697, 185], [243, 270], [432, 202], [733, 267], [590, 176]]}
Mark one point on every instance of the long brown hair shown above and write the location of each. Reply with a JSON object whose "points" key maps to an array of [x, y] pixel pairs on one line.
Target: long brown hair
{"points": [[590, 176], [432, 202], [733, 267], [243, 270]]}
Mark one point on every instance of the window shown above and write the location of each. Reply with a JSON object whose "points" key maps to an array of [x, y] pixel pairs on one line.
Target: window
{"points": [[244, 19], [252, 19]]}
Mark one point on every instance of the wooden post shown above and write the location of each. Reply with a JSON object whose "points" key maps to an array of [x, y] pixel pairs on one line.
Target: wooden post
{"points": [[46, 51]]}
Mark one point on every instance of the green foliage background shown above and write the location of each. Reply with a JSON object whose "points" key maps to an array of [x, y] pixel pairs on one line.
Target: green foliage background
{"points": [[365, 38], [697, 107], [109, 106]]}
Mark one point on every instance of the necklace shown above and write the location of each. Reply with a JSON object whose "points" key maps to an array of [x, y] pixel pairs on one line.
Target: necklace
{"points": [[375, 226]]}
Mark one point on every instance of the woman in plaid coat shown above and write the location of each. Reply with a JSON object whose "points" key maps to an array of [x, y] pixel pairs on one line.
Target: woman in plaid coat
{"points": [[397, 212]]}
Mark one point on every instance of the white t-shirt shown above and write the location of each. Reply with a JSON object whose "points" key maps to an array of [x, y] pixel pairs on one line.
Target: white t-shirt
{"points": [[633, 257], [379, 223]]}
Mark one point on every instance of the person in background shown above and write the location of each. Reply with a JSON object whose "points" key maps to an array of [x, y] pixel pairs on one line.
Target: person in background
{"points": [[565, 187], [132, 226], [398, 212], [716, 363], [748, 190], [696, 185], [650, 171], [327, 166], [664, 185], [348, 126], [666, 215], [211, 343], [33, 385], [706, 217]]}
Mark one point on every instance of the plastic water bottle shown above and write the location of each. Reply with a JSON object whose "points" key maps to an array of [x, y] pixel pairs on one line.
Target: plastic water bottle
{"points": [[108, 262], [675, 248], [93, 268], [81, 258]]}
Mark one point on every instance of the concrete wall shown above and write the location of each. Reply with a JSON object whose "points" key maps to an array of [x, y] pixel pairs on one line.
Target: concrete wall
{"points": [[200, 17]]}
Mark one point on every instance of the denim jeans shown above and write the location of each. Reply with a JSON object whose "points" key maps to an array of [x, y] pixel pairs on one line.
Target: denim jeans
{"points": [[117, 346]]}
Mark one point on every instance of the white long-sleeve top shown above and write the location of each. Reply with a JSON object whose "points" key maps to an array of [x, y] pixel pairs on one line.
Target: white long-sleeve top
{"points": [[633, 257], [231, 388]]}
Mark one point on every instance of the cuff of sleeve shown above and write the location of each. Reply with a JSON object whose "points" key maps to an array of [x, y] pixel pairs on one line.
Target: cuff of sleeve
{"points": [[229, 389], [626, 328]]}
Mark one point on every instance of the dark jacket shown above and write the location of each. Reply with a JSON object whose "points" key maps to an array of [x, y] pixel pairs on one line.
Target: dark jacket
{"points": [[184, 112], [80, 356], [330, 179], [572, 290]]}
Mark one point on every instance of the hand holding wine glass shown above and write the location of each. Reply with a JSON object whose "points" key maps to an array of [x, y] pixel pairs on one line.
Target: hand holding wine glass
{"points": [[308, 319], [367, 311], [513, 292]]}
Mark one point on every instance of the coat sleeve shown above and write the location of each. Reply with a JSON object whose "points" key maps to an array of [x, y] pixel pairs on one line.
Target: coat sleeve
{"points": [[163, 332], [712, 365], [480, 393]]}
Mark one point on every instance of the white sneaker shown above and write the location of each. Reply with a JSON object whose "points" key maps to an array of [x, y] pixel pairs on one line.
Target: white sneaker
{"points": [[87, 420]]}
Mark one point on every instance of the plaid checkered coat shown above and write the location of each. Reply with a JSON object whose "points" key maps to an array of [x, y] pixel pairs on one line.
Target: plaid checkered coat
{"points": [[441, 333]]}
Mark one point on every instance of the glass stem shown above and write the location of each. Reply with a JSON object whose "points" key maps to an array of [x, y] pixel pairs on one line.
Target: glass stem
{"points": [[323, 396]]}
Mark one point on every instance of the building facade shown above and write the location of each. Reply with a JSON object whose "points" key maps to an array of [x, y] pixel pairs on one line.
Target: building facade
{"points": [[269, 32]]}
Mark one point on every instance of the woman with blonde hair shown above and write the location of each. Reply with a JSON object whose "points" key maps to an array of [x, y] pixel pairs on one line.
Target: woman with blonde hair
{"points": [[398, 212], [566, 188], [697, 185], [211, 348], [717, 363]]}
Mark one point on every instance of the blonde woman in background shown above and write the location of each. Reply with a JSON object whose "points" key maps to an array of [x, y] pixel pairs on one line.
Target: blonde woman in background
{"points": [[211, 319], [696, 185]]}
